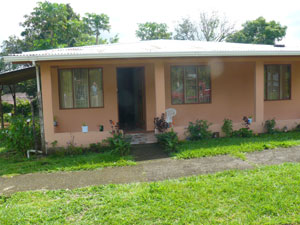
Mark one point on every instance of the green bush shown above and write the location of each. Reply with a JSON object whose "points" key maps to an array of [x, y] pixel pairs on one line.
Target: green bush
{"points": [[119, 144], [227, 127], [19, 135], [23, 107], [169, 141], [198, 130], [243, 132], [270, 126], [6, 107]]}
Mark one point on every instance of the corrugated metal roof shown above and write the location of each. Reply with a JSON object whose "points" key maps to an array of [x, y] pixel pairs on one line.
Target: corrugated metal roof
{"points": [[155, 48]]}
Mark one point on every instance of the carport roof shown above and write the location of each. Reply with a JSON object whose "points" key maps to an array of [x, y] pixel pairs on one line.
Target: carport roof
{"points": [[16, 76]]}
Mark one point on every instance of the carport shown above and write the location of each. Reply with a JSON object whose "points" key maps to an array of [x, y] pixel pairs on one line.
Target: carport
{"points": [[11, 79]]}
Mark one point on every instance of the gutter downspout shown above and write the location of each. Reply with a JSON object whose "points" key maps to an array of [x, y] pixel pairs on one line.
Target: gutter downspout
{"points": [[40, 101]]}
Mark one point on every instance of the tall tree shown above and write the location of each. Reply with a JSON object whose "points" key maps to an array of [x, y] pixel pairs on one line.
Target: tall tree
{"points": [[259, 31], [52, 25], [210, 27], [153, 31], [97, 23], [185, 30]]}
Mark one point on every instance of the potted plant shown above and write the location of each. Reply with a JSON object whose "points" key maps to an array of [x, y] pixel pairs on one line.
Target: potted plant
{"points": [[55, 123], [84, 128]]}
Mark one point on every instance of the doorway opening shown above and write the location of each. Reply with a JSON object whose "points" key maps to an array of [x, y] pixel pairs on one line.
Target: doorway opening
{"points": [[131, 98]]}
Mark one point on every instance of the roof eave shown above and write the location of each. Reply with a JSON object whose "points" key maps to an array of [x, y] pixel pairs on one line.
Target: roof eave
{"points": [[21, 58]]}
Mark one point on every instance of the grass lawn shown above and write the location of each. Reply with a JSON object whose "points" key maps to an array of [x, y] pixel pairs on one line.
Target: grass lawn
{"points": [[267, 195], [11, 164], [236, 146]]}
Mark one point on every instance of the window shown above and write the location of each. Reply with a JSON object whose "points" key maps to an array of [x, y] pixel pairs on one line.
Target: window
{"points": [[277, 82], [80, 88], [190, 84]]}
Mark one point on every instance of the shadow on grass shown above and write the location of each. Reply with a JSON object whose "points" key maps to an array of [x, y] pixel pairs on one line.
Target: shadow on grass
{"points": [[12, 164], [233, 145]]}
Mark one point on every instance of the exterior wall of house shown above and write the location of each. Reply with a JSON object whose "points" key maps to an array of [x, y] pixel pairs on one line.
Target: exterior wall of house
{"points": [[236, 91]]}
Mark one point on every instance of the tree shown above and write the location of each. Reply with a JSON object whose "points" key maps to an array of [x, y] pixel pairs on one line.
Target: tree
{"points": [[186, 30], [97, 23], [52, 25], [259, 31], [153, 31], [210, 27]]}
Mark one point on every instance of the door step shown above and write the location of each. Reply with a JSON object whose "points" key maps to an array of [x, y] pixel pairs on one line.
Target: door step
{"points": [[142, 138]]}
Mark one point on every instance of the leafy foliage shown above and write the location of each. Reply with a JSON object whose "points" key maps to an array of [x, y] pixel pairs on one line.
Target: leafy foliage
{"points": [[119, 144], [243, 132], [198, 130], [153, 31], [169, 141], [160, 123], [19, 135], [270, 126], [259, 31], [210, 27], [227, 127], [97, 23], [185, 30]]}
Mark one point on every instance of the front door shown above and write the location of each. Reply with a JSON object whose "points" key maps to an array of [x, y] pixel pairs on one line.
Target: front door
{"points": [[131, 98]]}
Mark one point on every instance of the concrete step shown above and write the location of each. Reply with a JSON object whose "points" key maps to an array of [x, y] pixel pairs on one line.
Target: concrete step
{"points": [[142, 138]]}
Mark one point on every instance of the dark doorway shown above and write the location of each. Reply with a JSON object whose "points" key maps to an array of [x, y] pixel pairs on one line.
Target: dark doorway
{"points": [[131, 98]]}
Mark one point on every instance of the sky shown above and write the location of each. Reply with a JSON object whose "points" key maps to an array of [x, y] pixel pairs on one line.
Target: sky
{"points": [[125, 15]]}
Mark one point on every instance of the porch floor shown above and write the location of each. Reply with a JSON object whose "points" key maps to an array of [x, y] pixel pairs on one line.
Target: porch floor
{"points": [[142, 138]]}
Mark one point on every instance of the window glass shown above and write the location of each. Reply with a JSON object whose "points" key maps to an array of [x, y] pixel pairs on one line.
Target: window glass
{"points": [[177, 84], [66, 92], [204, 84], [81, 93], [96, 91], [190, 85], [277, 82]]}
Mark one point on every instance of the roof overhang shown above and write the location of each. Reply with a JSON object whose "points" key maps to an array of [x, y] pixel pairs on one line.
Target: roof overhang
{"points": [[16, 76], [27, 58]]}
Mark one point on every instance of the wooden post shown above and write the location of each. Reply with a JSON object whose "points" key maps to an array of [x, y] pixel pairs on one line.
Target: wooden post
{"points": [[1, 110], [40, 105], [33, 124], [12, 89]]}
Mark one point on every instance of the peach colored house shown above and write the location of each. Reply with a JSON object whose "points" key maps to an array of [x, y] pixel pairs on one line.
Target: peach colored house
{"points": [[133, 83]]}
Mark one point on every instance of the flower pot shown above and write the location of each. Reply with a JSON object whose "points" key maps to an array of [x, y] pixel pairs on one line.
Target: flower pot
{"points": [[249, 120], [85, 129], [55, 123]]}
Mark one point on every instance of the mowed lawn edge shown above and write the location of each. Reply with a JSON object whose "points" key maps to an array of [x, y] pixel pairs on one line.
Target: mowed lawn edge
{"points": [[266, 195], [235, 146], [11, 164]]}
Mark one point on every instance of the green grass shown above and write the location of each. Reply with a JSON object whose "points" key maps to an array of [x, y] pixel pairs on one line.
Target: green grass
{"points": [[236, 146], [11, 164], [267, 195]]}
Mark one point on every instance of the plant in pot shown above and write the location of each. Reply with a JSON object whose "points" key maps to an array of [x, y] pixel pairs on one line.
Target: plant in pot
{"points": [[55, 123], [84, 128]]}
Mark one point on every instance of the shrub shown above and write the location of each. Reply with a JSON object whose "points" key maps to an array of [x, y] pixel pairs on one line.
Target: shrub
{"points": [[6, 107], [227, 127], [198, 130], [119, 144], [160, 123], [19, 135], [23, 107], [169, 141], [243, 132], [270, 126]]}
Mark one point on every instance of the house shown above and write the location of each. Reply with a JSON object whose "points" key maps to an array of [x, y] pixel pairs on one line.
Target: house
{"points": [[134, 82]]}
